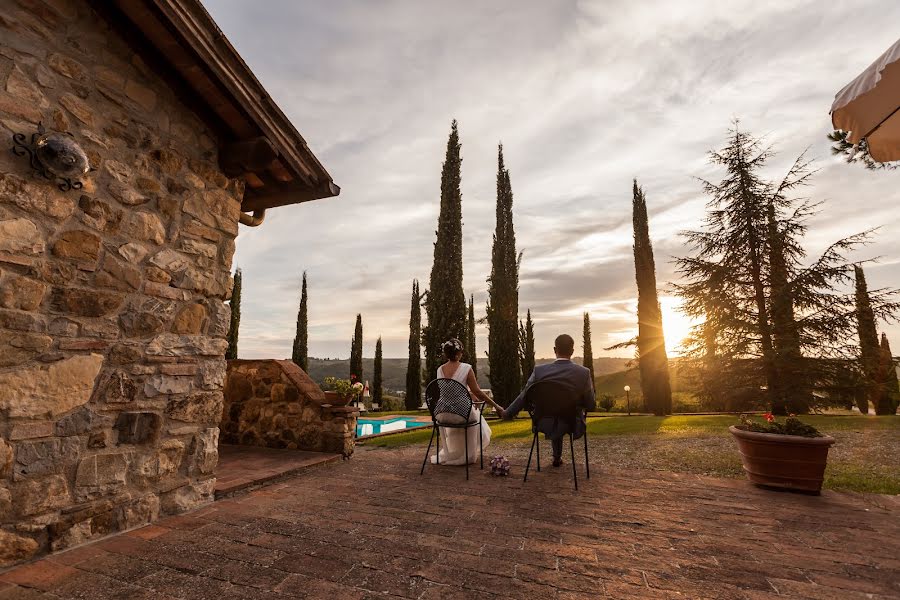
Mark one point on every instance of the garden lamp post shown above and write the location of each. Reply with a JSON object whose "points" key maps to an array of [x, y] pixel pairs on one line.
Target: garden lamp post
{"points": [[628, 398]]}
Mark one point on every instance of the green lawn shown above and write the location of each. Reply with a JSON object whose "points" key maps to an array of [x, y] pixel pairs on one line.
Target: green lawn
{"points": [[864, 458]]}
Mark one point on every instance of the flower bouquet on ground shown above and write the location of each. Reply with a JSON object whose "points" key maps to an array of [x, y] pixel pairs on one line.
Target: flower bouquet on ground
{"points": [[344, 390], [500, 466]]}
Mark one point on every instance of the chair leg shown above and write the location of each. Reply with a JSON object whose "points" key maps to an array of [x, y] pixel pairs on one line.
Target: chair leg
{"points": [[438, 460], [537, 441], [466, 432], [587, 465], [530, 452], [574, 470], [430, 440], [480, 442]]}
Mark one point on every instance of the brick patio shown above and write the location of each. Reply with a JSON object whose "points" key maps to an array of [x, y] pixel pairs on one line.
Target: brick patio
{"points": [[371, 527]]}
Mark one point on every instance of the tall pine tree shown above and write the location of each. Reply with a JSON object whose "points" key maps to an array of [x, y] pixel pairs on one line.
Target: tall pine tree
{"points": [[300, 353], [503, 298], [526, 347], [869, 350], [235, 304], [414, 363], [653, 361], [587, 350], [377, 380], [445, 305], [471, 353], [356, 350], [767, 315], [890, 397]]}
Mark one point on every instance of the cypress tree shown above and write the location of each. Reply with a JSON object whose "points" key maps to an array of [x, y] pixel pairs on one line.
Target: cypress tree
{"points": [[446, 303], [869, 350], [414, 363], [526, 346], [588, 360], [377, 381], [235, 304], [300, 353], [653, 361], [470, 352], [503, 298], [890, 396], [356, 349]]}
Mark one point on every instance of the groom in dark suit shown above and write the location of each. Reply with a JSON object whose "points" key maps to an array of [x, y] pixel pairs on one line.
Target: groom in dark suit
{"points": [[566, 374]]}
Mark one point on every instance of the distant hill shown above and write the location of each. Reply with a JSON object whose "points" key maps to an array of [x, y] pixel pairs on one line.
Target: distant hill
{"points": [[394, 369]]}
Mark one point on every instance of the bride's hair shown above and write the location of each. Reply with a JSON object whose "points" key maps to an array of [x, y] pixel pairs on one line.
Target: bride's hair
{"points": [[452, 348]]}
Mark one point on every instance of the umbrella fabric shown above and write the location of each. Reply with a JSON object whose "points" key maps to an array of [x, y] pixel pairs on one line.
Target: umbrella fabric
{"points": [[868, 107]]}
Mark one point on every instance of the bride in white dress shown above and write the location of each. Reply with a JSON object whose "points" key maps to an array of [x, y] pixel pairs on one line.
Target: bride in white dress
{"points": [[453, 442]]}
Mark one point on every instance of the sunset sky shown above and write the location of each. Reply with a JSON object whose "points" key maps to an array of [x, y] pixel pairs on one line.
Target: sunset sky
{"points": [[584, 96]]}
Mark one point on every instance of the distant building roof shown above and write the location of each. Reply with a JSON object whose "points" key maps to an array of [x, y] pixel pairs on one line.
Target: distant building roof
{"points": [[181, 42]]}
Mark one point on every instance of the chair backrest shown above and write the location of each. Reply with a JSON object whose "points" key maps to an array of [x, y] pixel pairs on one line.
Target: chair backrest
{"points": [[449, 398], [551, 399]]}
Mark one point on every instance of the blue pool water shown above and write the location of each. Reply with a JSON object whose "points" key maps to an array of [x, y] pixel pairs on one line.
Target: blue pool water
{"points": [[374, 426]]}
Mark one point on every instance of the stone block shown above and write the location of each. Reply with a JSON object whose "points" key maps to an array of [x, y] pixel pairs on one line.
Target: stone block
{"points": [[45, 456], [80, 421], [141, 94], [126, 195], [122, 272], [20, 236], [133, 252], [15, 548], [167, 385], [141, 511], [48, 391], [17, 348], [144, 226], [206, 453], [6, 459], [182, 369], [205, 407], [116, 388], [85, 303], [99, 214], [219, 318], [63, 327], [157, 275], [22, 321], [164, 291], [212, 375], [67, 67], [101, 472], [83, 344], [80, 109], [19, 85], [77, 245], [190, 320], [21, 293], [171, 344], [142, 324], [138, 427], [187, 497], [39, 495], [32, 430]]}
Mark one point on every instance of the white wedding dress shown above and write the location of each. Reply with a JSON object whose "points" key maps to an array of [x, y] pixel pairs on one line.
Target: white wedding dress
{"points": [[453, 442]]}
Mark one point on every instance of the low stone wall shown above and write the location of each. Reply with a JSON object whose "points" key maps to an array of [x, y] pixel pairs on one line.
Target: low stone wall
{"points": [[273, 403]]}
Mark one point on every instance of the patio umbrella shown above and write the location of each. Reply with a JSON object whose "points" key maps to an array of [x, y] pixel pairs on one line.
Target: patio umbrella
{"points": [[869, 107]]}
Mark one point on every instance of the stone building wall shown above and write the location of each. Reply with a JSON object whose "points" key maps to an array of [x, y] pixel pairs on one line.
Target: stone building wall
{"points": [[112, 313], [273, 403]]}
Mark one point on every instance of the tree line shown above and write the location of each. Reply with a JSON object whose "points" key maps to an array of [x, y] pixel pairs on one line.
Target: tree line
{"points": [[774, 327]]}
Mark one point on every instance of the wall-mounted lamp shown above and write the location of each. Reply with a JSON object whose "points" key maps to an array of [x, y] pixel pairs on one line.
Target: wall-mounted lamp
{"points": [[54, 156]]}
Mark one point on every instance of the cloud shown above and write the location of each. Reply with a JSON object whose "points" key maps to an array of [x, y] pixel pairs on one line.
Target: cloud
{"points": [[584, 95]]}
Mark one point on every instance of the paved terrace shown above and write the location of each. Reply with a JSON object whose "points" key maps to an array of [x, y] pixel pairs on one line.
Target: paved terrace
{"points": [[372, 528]]}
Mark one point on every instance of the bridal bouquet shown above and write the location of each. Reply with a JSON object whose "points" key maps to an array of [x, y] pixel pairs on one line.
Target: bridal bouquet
{"points": [[500, 466]]}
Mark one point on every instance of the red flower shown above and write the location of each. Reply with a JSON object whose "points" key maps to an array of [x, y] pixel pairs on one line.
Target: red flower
{"points": [[769, 417]]}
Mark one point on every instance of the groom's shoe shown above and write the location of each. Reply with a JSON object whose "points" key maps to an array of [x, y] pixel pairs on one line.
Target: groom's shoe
{"points": [[557, 461]]}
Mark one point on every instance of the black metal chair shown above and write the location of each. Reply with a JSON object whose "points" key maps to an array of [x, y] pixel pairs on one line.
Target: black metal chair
{"points": [[450, 406], [549, 400]]}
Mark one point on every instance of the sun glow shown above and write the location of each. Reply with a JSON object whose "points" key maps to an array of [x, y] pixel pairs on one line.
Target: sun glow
{"points": [[676, 325]]}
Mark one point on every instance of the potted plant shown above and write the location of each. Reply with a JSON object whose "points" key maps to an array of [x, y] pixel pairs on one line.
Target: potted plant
{"points": [[790, 455], [341, 392]]}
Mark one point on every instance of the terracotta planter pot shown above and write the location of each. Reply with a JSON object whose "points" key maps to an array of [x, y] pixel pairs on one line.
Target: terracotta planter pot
{"points": [[336, 399], [784, 461]]}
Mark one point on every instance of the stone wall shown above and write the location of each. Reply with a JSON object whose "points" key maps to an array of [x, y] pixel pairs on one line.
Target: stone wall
{"points": [[112, 320], [273, 403]]}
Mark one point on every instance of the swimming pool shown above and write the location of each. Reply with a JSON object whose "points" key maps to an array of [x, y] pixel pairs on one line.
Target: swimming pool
{"points": [[375, 426]]}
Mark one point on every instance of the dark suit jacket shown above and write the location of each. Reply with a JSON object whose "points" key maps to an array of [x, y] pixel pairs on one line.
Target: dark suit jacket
{"points": [[569, 375]]}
